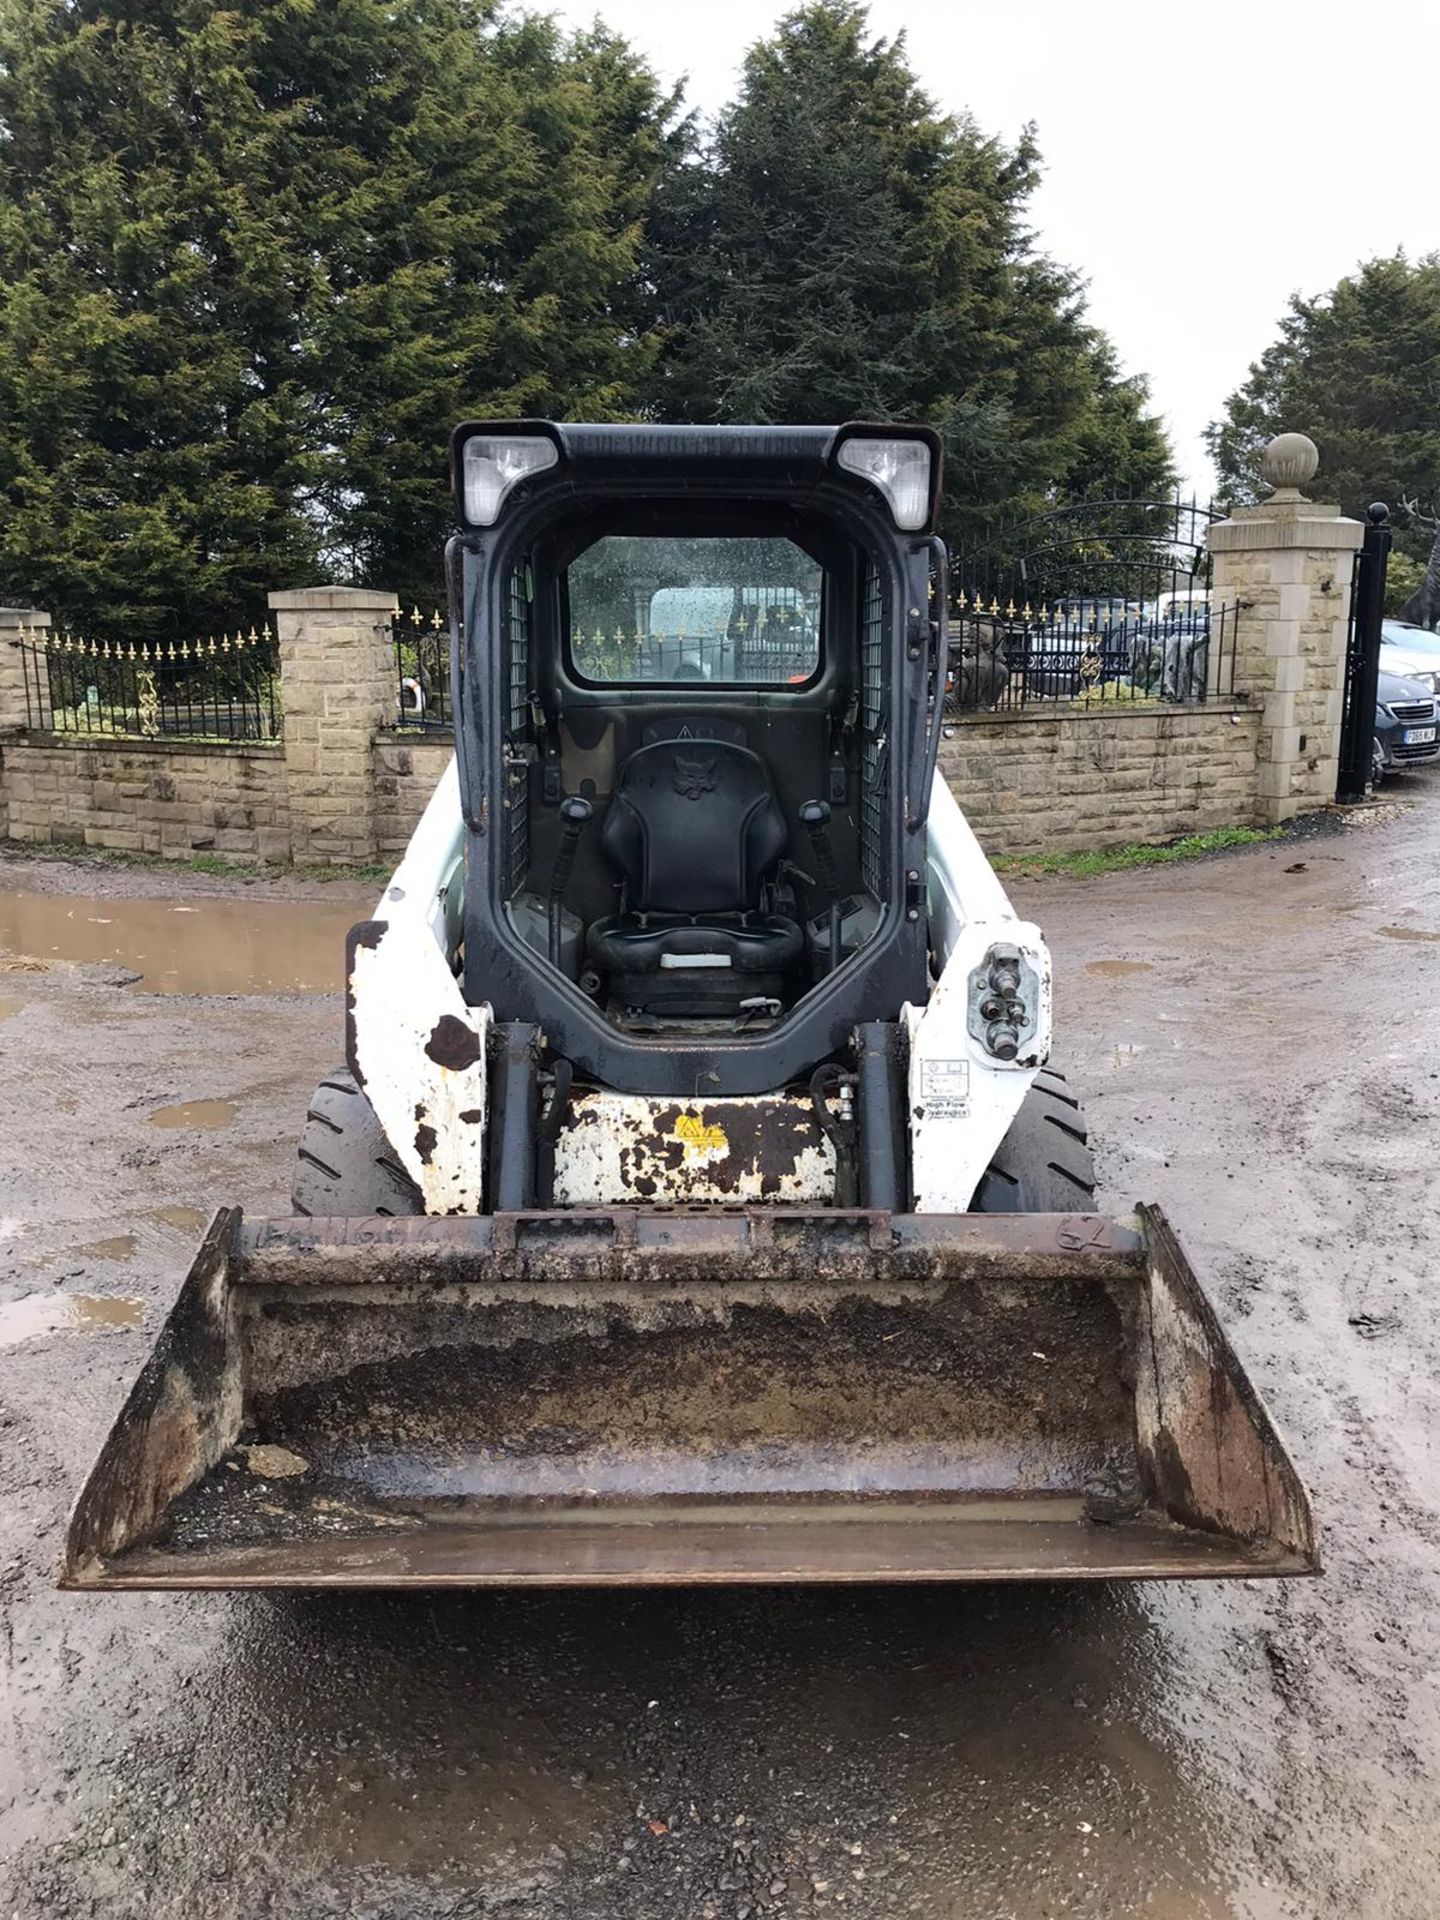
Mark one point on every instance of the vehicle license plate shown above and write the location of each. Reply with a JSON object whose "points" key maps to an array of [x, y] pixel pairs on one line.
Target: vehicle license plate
{"points": [[1419, 736]]}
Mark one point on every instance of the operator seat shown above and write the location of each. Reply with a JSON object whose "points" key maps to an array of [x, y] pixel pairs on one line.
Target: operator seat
{"points": [[695, 830]]}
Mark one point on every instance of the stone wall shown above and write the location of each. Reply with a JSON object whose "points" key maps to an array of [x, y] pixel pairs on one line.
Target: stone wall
{"points": [[1068, 781], [346, 788], [407, 767], [1028, 782], [337, 672], [139, 797], [1286, 566]]}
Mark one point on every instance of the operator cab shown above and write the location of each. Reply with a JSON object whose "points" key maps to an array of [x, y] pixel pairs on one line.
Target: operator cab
{"points": [[682, 718], [687, 692]]}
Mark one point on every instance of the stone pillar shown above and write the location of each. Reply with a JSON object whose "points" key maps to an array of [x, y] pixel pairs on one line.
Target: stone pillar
{"points": [[1284, 567], [17, 624], [337, 679]]}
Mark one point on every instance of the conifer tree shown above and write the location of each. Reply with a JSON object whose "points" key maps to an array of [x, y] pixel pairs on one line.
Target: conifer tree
{"points": [[256, 261], [845, 251]]}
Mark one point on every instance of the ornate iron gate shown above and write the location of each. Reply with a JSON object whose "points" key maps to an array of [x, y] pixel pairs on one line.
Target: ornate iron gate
{"points": [[1104, 602], [1362, 657]]}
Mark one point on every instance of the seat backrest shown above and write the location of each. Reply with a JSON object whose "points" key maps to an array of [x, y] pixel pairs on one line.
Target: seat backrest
{"points": [[694, 826]]}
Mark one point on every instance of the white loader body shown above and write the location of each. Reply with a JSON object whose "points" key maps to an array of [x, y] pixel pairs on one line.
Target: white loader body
{"points": [[403, 988]]}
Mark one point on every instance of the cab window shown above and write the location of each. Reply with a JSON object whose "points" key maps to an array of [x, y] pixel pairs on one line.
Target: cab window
{"points": [[656, 610]]}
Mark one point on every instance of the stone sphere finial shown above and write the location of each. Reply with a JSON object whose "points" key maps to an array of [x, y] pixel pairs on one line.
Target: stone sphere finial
{"points": [[1288, 464]]}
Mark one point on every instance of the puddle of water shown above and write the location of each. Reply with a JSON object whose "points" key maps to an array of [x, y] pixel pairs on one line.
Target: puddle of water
{"points": [[213, 946], [185, 1219], [43, 1313], [119, 1248], [1408, 933], [9, 1008], [483, 1799], [1118, 969], [199, 1114]]}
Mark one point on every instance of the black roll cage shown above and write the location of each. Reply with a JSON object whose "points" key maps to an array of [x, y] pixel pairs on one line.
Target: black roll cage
{"points": [[783, 466]]}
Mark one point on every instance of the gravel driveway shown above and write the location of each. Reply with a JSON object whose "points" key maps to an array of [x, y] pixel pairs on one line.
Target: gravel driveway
{"points": [[1257, 1040]]}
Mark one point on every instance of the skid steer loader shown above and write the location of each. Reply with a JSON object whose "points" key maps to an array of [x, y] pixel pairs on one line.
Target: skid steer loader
{"points": [[697, 1203]]}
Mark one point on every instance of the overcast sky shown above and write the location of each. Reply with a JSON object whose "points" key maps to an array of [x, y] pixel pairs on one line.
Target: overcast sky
{"points": [[1202, 163]]}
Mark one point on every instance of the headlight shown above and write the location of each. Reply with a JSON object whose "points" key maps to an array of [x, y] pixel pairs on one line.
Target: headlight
{"points": [[491, 464], [899, 468]]}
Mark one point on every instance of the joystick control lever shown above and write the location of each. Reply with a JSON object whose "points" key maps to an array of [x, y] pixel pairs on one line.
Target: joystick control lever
{"points": [[575, 815], [815, 818]]}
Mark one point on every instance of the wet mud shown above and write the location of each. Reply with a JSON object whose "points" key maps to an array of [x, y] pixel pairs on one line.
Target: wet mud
{"points": [[42, 1313], [1269, 1751], [194, 1115], [1407, 933], [174, 946]]}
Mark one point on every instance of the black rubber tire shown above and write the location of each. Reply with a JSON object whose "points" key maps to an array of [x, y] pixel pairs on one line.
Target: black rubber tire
{"points": [[346, 1166], [1044, 1163]]}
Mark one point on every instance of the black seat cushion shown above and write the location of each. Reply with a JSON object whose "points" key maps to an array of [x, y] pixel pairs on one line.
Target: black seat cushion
{"points": [[756, 943], [694, 827]]}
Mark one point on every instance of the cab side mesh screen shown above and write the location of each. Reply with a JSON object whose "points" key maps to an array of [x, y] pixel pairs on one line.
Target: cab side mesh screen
{"points": [[872, 726], [517, 760]]}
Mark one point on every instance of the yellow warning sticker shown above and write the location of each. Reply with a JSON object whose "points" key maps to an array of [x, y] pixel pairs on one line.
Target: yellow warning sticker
{"points": [[699, 1138]]}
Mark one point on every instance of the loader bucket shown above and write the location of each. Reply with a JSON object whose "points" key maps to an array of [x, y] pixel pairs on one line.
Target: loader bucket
{"points": [[664, 1397]]}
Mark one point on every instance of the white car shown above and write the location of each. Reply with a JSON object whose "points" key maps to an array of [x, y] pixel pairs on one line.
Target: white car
{"points": [[1413, 652]]}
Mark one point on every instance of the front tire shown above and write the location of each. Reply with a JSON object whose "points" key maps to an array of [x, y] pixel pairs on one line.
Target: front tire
{"points": [[345, 1164], [1044, 1163]]}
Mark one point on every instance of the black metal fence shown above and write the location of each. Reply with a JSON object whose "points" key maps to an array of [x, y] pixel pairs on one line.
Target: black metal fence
{"points": [[1362, 657], [1091, 653], [225, 688], [1105, 603], [422, 669]]}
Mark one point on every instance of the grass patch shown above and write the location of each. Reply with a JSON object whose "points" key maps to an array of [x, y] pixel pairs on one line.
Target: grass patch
{"points": [[214, 864], [1115, 859]]}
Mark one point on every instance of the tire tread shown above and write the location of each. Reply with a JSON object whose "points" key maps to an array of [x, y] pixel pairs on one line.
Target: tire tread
{"points": [[345, 1166], [1044, 1163]]}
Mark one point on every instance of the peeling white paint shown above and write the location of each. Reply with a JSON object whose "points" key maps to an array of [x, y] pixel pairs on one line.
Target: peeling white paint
{"points": [[408, 1008], [619, 1149], [962, 1100], [622, 1149]]}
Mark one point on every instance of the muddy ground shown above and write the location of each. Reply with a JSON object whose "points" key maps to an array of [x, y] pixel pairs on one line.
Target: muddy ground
{"points": [[1258, 1042]]}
